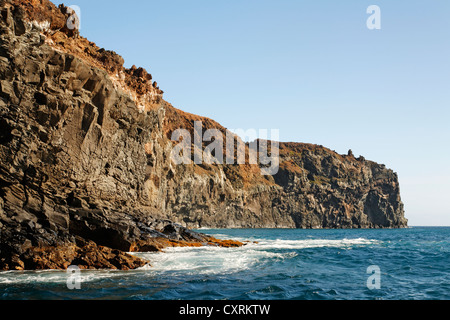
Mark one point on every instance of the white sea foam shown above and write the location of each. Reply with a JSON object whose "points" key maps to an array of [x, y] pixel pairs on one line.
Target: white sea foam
{"points": [[203, 260], [51, 276], [212, 260], [315, 243]]}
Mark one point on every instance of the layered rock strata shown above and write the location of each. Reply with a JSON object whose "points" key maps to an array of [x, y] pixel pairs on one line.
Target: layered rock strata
{"points": [[85, 161]]}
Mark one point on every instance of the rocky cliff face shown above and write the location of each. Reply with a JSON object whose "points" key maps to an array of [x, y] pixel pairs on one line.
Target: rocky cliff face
{"points": [[85, 156]]}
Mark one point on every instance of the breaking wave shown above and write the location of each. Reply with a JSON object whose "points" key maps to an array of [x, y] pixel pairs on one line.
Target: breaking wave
{"points": [[277, 264], [213, 260]]}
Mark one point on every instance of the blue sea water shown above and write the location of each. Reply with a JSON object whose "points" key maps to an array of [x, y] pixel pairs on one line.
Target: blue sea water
{"points": [[283, 265]]}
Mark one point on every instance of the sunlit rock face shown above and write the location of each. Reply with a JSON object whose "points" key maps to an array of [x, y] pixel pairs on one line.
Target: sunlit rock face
{"points": [[86, 156]]}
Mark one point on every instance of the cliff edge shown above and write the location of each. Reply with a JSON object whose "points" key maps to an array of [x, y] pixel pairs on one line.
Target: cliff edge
{"points": [[85, 161]]}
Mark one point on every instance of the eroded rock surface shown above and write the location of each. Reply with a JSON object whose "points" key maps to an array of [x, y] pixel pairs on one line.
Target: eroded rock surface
{"points": [[85, 161]]}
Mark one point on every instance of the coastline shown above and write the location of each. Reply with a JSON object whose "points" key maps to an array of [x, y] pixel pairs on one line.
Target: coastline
{"points": [[285, 264], [87, 172]]}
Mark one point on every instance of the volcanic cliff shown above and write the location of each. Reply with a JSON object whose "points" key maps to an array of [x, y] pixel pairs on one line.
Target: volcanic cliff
{"points": [[85, 161]]}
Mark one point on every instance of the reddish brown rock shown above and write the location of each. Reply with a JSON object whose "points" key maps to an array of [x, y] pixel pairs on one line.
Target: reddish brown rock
{"points": [[158, 244], [85, 153], [89, 256]]}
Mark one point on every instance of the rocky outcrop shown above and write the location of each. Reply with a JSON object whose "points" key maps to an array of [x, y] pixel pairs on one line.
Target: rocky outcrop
{"points": [[88, 256], [85, 161], [328, 190]]}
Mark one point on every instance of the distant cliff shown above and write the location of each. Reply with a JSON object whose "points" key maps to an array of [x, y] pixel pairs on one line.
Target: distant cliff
{"points": [[85, 155]]}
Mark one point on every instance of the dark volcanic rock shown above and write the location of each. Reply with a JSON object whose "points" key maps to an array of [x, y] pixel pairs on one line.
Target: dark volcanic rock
{"points": [[85, 155]]}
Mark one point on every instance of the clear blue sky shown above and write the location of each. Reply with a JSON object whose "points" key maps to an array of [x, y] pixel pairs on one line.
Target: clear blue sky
{"points": [[309, 68]]}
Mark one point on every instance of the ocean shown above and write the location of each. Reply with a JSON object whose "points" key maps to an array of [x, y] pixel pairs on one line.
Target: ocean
{"points": [[404, 264]]}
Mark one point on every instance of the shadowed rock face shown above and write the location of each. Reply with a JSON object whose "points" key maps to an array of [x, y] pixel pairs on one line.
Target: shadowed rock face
{"points": [[85, 159]]}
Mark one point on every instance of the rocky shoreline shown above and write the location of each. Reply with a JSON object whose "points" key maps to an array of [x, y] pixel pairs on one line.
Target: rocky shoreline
{"points": [[87, 255], [85, 161]]}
